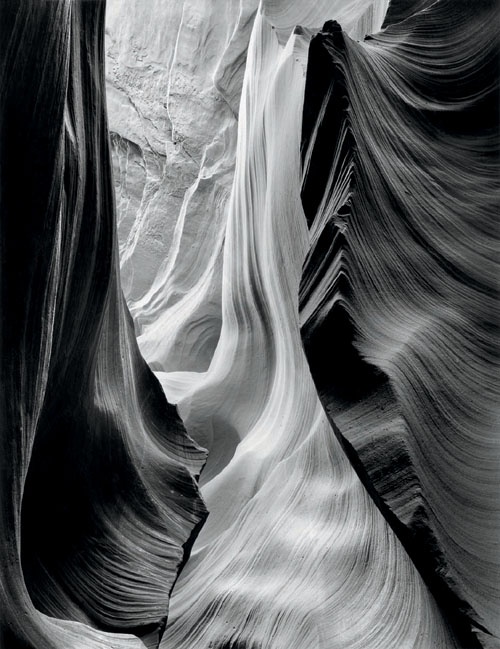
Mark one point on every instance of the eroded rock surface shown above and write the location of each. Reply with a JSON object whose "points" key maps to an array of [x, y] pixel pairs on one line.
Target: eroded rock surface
{"points": [[99, 500], [174, 75], [399, 295], [306, 234]]}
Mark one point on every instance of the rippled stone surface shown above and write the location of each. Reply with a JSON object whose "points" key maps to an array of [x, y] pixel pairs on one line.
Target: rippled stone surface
{"points": [[306, 233], [99, 501], [399, 299], [294, 552]]}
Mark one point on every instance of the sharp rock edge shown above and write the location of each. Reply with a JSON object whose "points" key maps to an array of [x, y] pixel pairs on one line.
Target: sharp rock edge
{"points": [[399, 292], [98, 492]]}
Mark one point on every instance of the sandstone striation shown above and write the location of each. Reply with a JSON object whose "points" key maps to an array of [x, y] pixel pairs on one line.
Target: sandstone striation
{"points": [[399, 300], [99, 501], [300, 202]]}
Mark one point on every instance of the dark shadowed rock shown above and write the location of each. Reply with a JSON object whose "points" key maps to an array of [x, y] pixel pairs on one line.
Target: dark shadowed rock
{"points": [[98, 479]]}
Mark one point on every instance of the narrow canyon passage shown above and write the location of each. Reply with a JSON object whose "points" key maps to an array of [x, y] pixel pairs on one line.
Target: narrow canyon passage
{"points": [[249, 324]]}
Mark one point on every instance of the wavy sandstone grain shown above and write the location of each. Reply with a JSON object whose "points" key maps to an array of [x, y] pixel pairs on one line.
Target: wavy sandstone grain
{"points": [[399, 302], [306, 225], [98, 493]]}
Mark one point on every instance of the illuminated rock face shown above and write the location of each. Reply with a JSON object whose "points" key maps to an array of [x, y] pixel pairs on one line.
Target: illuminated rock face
{"points": [[174, 75], [294, 553], [305, 234]]}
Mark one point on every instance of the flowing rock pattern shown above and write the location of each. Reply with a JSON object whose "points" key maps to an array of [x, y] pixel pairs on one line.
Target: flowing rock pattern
{"points": [[98, 494], [399, 295], [294, 553], [250, 583], [244, 408], [306, 234]]}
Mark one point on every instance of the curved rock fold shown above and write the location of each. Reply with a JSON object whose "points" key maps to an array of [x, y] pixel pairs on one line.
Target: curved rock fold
{"points": [[305, 230], [398, 295], [99, 498]]}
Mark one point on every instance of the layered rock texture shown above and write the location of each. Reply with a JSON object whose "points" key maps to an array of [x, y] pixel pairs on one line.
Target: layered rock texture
{"points": [[99, 502], [306, 208], [399, 302]]}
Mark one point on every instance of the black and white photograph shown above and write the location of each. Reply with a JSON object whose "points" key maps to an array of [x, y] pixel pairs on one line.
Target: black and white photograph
{"points": [[249, 324]]}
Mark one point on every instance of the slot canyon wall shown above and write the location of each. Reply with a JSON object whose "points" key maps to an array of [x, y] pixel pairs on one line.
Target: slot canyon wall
{"points": [[249, 269], [99, 500]]}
